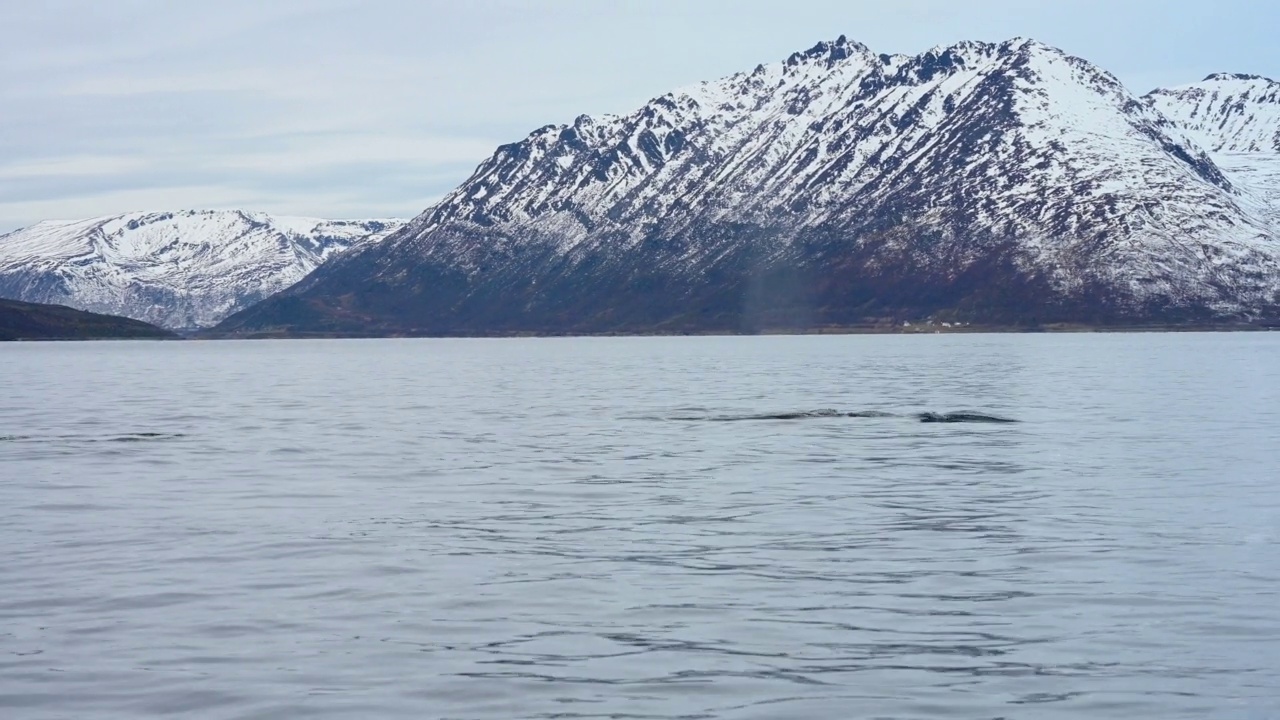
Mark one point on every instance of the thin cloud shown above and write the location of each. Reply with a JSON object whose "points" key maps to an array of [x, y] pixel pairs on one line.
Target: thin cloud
{"points": [[311, 152], [327, 107], [205, 197], [75, 166]]}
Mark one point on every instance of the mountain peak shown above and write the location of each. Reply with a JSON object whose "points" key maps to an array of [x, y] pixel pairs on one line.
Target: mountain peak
{"points": [[1227, 77], [1226, 112], [830, 51], [1021, 42]]}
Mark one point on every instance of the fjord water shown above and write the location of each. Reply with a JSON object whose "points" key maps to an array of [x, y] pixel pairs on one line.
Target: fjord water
{"points": [[569, 528]]}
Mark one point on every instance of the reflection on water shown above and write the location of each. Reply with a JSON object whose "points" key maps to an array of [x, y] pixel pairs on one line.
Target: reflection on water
{"points": [[548, 528]]}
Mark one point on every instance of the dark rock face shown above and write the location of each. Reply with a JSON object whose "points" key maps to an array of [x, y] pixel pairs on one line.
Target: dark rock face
{"points": [[32, 321], [999, 184]]}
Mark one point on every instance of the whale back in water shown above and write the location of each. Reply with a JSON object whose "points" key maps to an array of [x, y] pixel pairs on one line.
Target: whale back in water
{"points": [[930, 417], [961, 417], [788, 415]]}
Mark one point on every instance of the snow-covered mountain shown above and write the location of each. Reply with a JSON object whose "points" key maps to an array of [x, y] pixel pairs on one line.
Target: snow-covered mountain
{"points": [[1226, 112], [1002, 182], [1237, 119], [179, 270]]}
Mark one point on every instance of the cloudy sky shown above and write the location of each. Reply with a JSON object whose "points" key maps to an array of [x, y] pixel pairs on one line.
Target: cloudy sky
{"points": [[375, 108]]}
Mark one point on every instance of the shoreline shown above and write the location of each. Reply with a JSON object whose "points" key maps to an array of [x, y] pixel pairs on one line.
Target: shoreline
{"points": [[870, 329], [922, 329]]}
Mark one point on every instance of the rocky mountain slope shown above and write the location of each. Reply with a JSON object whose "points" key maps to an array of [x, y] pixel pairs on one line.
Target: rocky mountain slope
{"points": [[176, 269], [33, 321], [1226, 113], [1236, 118], [998, 183]]}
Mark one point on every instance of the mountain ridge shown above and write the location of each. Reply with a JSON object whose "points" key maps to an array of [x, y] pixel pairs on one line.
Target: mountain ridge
{"points": [[1226, 112]]}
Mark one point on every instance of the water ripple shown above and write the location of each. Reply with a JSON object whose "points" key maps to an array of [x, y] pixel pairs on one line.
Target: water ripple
{"points": [[640, 528]]}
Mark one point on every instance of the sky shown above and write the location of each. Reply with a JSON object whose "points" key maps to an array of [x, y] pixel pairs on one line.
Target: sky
{"points": [[377, 108]]}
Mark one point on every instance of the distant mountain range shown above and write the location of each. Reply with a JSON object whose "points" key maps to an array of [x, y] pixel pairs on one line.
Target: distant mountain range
{"points": [[33, 321], [1002, 184], [181, 270]]}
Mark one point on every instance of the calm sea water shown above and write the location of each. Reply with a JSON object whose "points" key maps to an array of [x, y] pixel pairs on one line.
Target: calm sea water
{"points": [[586, 528]]}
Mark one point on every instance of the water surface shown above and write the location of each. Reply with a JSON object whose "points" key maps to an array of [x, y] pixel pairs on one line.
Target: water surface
{"points": [[567, 528]]}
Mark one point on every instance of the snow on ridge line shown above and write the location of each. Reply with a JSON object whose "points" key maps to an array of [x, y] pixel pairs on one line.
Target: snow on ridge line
{"points": [[1226, 112], [736, 106]]}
